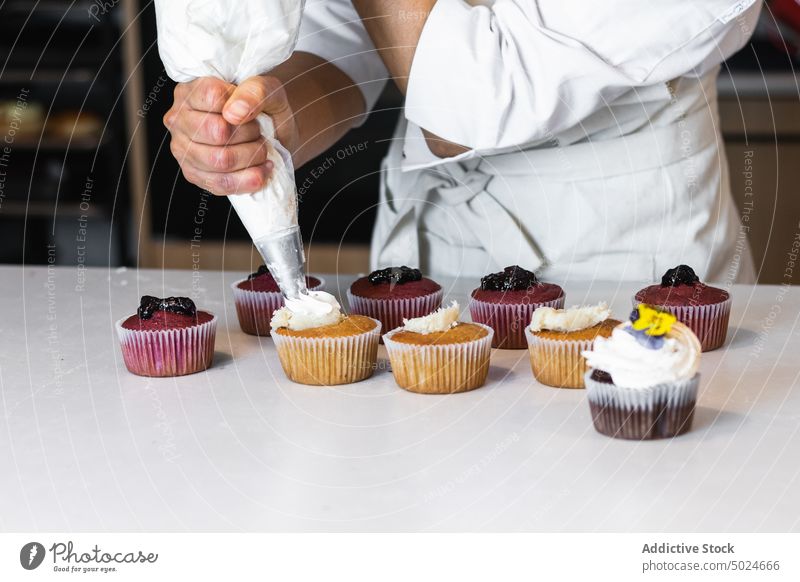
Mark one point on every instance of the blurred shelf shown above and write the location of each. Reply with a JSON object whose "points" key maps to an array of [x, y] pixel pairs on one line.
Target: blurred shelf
{"points": [[61, 144], [770, 84], [45, 209], [16, 76]]}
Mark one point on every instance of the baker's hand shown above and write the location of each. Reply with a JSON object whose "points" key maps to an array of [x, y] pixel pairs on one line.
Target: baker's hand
{"points": [[215, 137]]}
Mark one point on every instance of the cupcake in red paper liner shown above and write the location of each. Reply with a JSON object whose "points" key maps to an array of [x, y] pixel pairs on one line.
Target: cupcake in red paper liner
{"points": [[393, 294], [703, 308], [505, 301], [167, 337], [258, 297], [643, 379]]}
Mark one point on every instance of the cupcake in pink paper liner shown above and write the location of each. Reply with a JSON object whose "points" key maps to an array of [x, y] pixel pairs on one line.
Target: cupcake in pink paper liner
{"points": [[643, 379], [258, 297], [167, 337], [705, 309], [393, 294], [505, 301]]}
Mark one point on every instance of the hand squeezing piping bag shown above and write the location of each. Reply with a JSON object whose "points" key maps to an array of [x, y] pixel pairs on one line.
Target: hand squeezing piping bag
{"points": [[270, 217], [235, 41]]}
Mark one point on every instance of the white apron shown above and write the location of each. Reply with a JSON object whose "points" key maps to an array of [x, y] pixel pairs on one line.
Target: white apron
{"points": [[622, 207]]}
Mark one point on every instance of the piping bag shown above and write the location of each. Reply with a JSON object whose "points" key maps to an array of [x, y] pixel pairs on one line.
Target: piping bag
{"points": [[234, 41]]}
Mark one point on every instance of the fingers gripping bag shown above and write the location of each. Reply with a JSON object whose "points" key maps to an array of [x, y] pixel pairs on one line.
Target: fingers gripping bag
{"points": [[233, 41]]}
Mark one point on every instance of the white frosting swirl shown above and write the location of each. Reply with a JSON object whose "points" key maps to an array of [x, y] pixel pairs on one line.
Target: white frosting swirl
{"points": [[313, 310], [572, 319], [632, 365], [440, 320]]}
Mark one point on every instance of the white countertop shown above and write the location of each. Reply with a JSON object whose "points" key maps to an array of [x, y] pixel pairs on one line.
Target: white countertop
{"points": [[85, 446]]}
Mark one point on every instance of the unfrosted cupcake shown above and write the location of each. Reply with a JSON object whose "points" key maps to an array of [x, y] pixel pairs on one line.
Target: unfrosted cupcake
{"points": [[167, 337], [557, 339], [643, 382], [437, 354], [320, 346], [505, 301], [393, 294], [258, 296], [705, 309]]}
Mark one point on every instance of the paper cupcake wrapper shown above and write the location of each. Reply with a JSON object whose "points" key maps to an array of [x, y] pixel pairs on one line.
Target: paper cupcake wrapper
{"points": [[509, 321], [440, 369], [168, 352], [254, 309], [329, 361], [391, 312], [558, 362], [708, 322], [662, 411]]}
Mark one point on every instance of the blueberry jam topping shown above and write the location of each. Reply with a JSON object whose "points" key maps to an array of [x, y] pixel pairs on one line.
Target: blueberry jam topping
{"points": [[180, 305], [262, 270], [509, 279], [680, 275], [394, 275], [601, 376]]}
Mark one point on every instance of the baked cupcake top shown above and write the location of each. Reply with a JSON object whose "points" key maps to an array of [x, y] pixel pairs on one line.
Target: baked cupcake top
{"points": [[515, 285], [349, 325], [263, 281], [437, 328], [394, 283], [155, 313], [576, 322], [681, 286], [652, 348], [317, 309]]}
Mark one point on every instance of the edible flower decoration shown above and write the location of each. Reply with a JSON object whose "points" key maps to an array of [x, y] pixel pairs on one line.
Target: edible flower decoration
{"points": [[649, 325]]}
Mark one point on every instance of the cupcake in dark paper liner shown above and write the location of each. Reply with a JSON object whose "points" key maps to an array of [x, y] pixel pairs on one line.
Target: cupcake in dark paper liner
{"points": [[258, 297], [705, 309], [393, 294], [557, 339], [167, 337], [505, 301], [643, 379]]}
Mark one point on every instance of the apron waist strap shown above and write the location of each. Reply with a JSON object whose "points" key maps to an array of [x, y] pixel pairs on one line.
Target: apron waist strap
{"points": [[643, 150]]}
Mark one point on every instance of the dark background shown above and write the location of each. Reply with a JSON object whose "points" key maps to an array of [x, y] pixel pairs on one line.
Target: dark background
{"points": [[69, 60]]}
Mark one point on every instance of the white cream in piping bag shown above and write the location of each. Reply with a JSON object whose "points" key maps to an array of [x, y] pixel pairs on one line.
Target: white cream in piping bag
{"points": [[235, 41], [440, 320], [572, 319], [632, 365]]}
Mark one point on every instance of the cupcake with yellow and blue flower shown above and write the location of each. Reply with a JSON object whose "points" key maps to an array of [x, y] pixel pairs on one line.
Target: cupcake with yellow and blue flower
{"points": [[643, 380]]}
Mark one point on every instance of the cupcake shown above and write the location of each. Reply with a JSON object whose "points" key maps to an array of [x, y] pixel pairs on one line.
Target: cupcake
{"points": [[505, 301], [703, 308], [557, 339], [436, 354], [320, 346], [257, 297], [643, 381], [167, 337], [393, 294]]}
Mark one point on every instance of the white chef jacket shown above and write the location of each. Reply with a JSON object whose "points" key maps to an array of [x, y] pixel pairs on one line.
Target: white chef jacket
{"points": [[594, 138]]}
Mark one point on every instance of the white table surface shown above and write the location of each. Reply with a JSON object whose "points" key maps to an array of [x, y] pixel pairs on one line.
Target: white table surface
{"points": [[84, 445]]}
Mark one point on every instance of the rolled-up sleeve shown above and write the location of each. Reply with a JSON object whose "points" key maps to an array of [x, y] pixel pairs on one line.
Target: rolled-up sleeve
{"points": [[332, 30], [514, 72]]}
